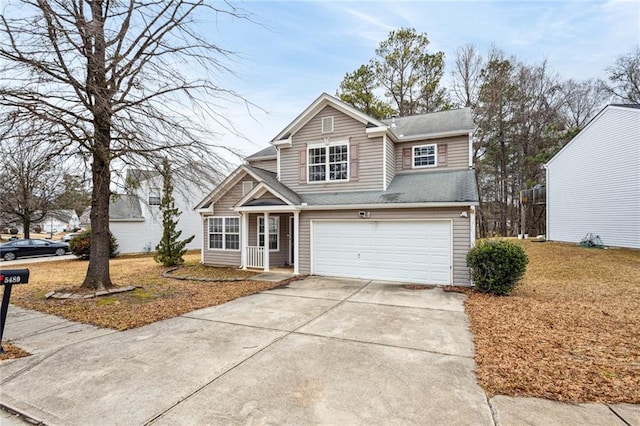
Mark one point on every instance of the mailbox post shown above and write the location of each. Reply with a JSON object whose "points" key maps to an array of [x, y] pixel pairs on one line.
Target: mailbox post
{"points": [[8, 278]]}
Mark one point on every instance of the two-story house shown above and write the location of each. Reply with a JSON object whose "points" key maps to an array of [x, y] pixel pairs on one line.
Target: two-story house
{"points": [[339, 193]]}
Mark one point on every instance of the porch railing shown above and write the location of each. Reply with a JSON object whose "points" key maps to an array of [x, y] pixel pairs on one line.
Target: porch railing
{"points": [[255, 257]]}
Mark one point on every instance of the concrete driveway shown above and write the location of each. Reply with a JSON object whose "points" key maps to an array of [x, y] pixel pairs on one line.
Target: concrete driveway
{"points": [[320, 351]]}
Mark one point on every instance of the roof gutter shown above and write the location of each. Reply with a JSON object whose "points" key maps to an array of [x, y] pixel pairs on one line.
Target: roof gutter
{"points": [[390, 205], [464, 132]]}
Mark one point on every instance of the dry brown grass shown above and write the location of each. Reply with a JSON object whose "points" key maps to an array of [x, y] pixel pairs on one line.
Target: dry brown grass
{"points": [[158, 298], [569, 332]]}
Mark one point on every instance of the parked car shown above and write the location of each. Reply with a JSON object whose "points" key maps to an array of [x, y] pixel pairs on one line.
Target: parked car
{"points": [[69, 237], [32, 247]]}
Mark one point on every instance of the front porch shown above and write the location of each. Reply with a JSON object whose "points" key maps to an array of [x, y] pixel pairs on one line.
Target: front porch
{"points": [[280, 236]]}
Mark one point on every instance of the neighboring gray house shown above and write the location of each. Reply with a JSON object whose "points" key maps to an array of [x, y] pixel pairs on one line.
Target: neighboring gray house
{"points": [[340, 193], [593, 183]]}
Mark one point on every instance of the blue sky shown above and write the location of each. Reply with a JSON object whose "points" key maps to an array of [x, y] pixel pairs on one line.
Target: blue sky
{"points": [[303, 48]]}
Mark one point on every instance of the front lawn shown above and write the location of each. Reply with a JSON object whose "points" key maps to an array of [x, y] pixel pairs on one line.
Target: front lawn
{"points": [[157, 298], [569, 332]]}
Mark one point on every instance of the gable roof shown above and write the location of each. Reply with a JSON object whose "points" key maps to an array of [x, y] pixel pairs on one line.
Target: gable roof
{"points": [[63, 215], [135, 176], [434, 124], [268, 153], [317, 105], [125, 207], [450, 186], [634, 107], [269, 178]]}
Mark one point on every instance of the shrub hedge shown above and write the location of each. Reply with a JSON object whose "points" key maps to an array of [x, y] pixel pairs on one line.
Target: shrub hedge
{"points": [[496, 266], [80, 245]]}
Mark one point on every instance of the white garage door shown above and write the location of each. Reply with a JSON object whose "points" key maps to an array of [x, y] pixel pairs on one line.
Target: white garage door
{"points": [[416, 252]]}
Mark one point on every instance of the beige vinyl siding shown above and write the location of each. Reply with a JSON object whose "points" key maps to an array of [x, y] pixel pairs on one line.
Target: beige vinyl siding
{"points": [[460, 233], [345, 127], [224, 208], [457, 153], [269, 165], [276, 258], [391, 161]]}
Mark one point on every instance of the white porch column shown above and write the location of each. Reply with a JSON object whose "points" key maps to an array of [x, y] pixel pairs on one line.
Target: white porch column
{"points": [[266, 242], [296, 244], [244, 239]]}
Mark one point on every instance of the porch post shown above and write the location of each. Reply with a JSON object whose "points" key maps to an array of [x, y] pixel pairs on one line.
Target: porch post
{"points": [[266, 241], [244, 239], [296, 243]]}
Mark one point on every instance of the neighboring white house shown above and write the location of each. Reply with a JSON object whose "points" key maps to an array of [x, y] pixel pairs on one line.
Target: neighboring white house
{"points": [[60, 221], [593, 183], [135, 219]]}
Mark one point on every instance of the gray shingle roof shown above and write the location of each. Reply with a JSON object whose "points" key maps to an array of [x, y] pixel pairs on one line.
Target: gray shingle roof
{"points": [[427, 187], [432, 123], [135, 176], [123, 207], [269, 151], [270, 179]]}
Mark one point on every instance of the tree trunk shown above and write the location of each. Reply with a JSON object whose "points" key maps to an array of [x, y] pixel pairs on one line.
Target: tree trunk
{"points": [[98, 276], [26, 224]]}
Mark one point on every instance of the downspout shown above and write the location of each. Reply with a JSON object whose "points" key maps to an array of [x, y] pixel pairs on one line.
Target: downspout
{"points": [[384, 162], [470, 149], [472, 227], [546, 169], [278, 163]]}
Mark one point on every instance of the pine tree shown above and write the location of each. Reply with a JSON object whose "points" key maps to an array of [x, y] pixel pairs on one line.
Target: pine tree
{"points": [[170, 250]]}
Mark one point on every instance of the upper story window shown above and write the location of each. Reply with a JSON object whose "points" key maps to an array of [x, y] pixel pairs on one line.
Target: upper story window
{"points": [[425, 156], [329, 163], [327, 124], [224, 233], [154, 196]]}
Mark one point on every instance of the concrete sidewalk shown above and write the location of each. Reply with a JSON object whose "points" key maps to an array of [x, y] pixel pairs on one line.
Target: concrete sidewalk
{"points": [[330, 351]]}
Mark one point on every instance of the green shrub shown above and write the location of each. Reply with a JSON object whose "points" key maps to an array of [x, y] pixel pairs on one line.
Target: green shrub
{"points": [[80, 245], [496, 266], [13, 231]]}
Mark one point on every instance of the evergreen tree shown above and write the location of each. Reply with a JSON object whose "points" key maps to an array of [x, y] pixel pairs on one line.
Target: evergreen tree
{"points": [[170, 250]]}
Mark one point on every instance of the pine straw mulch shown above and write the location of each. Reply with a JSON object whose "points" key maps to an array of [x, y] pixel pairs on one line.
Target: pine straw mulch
{"points": [[12, 352], [157, 298], [570, 331]]}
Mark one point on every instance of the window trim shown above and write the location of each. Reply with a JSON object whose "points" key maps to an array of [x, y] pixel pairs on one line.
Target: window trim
{"points": [[435, 156], [224, 233], [326, 147], [258, 233]]}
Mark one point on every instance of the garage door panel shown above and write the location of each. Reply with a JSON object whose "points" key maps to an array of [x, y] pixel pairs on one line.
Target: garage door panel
{"points": [[412, 251]]}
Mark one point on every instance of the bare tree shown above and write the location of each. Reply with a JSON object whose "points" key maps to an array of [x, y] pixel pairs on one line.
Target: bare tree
{"points": [[582, 101], [30, 177], [466, 75], [625, 77], [130, 81]]}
